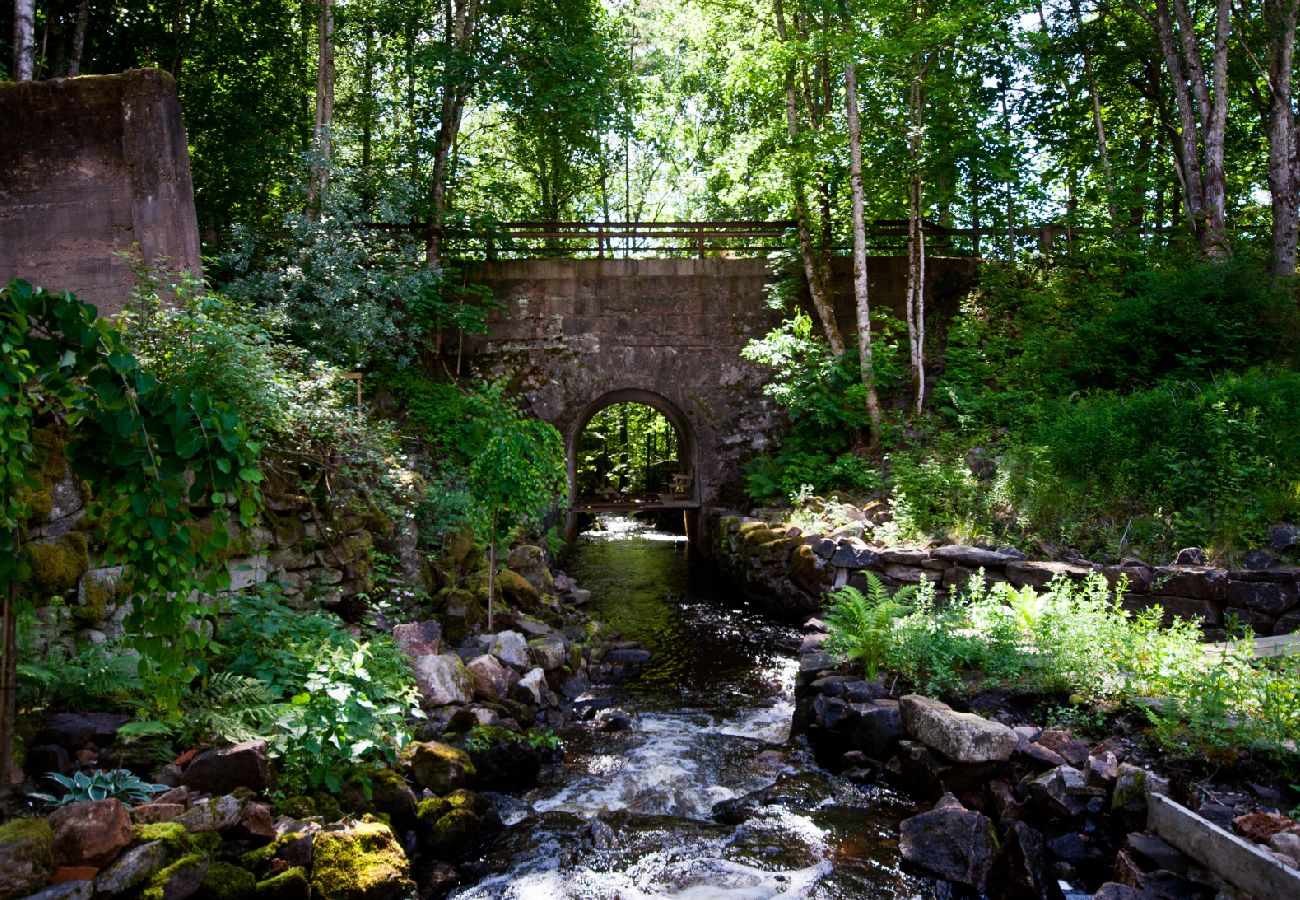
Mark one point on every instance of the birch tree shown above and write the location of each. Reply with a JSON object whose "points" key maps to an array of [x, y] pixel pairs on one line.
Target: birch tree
{"points": [[24, 39], [1201, 101]]}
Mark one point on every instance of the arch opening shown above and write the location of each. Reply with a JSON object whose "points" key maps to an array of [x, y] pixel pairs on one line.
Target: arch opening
{"points": [[632, 449]]}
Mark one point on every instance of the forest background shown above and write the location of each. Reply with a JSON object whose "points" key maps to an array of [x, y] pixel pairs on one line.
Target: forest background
{"points": [[1128, 388]]}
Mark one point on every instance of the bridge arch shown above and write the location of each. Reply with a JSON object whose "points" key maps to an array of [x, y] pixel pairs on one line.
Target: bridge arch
{"points": [[687, 439]]}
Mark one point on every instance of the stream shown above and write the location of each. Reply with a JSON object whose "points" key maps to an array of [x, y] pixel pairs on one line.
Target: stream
{"points": [[628, 813]]}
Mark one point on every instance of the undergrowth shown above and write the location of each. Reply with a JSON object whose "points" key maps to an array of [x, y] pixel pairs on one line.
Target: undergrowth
{"points": [[1074, 639]]}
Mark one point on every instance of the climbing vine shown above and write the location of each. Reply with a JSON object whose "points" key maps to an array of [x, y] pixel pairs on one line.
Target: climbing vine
{"points": [[153, 455]]}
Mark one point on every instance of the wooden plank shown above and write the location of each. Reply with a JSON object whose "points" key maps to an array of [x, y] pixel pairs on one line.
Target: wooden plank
{"points": [[1237, 861]]}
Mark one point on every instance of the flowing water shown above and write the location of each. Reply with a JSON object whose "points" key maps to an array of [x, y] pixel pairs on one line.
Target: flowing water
{"points": [[628, 814]]}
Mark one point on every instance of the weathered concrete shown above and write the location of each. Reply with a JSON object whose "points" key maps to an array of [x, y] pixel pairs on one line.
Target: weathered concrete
{"points": [[90, 167], [579, 335]]}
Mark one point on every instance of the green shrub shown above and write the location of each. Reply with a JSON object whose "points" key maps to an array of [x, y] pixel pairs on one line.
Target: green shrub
{"points": [[861, 625]]}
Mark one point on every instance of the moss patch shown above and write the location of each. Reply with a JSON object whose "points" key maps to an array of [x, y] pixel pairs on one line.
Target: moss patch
{"points": [[172, 835], [439, 767], [26, 854], [46, 466], [168, 881], [224, 881], [56, 566], [291, 884], [363, 862]]}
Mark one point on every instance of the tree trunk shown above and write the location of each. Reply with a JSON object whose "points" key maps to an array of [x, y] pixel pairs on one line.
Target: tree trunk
{"points": [[1283, 130], [1202, 118], [916, 245], [8, 684], [78, 38], [492, 572], [324, 107], [817, 279], [1103, 149], [462, 18], [861, 284], [24, 40]]}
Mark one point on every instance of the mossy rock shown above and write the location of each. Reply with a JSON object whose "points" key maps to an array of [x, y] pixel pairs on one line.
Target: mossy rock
{"points": [[455, 825], [439, 767], [47, 466], [753, 539], [360, 862], [225, 881], [57, 566], [98, 590], [384, 792], [297, 807], [172, 835], [26, 856], [459, 548], [181, 879], [286, 527], [291, 884], [510, 587]]}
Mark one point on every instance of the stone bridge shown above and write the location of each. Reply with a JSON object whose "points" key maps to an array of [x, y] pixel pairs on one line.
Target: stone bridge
{"points": [[576, 335]]}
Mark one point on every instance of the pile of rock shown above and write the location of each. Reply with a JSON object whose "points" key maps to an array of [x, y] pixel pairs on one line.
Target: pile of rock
{"points": [[531, 674], [211, 836], [1017, 811]]}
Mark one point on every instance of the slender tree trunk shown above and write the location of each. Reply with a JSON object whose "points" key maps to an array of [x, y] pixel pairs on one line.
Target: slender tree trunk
{"points": [[975, 208], [462, 18], [861, 284], [8, 685], [492, 572], [916, 244], [368, 101], [1283, 129], [818, 288], [24, 44], [324, 106], [1103, 148], [78, 38]]}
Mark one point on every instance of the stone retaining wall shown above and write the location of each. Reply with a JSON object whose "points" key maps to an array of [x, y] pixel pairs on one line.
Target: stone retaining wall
{"points": [[789, 570]]}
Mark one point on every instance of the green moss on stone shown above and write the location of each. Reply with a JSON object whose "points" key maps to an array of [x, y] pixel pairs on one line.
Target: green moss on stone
{"points": [[297, 807], [46, 467], [172, 835], [178, 871], [224, 881], [96, 596], [363, 862], [291, 884], [57, 565], [439, 767], [26, 847]]}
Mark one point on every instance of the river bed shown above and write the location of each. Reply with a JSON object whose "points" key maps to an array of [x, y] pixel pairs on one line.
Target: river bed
{"points": [[629, 814]]}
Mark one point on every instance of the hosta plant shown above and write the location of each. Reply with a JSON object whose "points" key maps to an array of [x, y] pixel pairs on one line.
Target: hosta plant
{"points": [[101, 784]]}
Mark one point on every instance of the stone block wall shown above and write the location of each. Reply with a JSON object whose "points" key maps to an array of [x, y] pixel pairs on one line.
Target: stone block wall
{"points": [[791, 571], [90, 167], [316, 555]]}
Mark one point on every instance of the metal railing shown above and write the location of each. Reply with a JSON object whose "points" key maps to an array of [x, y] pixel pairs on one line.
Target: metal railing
{"points": [[613, 240]]}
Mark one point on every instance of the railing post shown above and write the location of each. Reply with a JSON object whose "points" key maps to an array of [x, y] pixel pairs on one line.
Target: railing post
{"points": [[699, 240]]}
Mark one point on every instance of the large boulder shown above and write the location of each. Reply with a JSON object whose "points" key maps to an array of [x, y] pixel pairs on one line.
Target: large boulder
{"points": [[26, 856], [132, 868], [491, 679], [91, 833], [442, 679], [548, 652], [530, 562], [418, 638], [439, 767], [220, 771], [962, 737], [950, 842], [511, 648], [455, 825], [360, 861]]}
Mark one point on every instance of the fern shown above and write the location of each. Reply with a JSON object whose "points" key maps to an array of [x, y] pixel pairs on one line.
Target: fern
{"points": [[862, 625], [234, 708]]}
